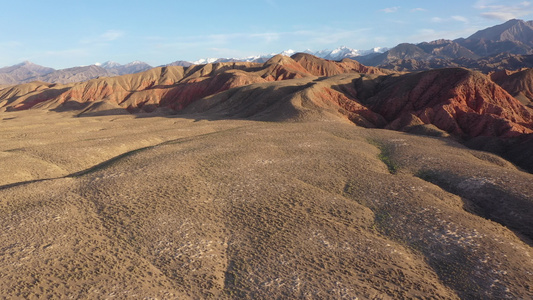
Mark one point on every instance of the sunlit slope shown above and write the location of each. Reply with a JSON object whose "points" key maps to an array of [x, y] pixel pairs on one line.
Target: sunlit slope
{"points": [[236, 208]]}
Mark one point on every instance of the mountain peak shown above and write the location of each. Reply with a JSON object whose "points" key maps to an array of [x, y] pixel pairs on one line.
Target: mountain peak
{"points": [[514, 30], [288, 52], [110, 65], [514, 21], [136, 62], [25, 63]]}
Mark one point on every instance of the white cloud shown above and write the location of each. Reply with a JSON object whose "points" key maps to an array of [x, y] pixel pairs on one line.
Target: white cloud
{"points": [[389, 10], [500, 15], [267, 37], [108, 36], [483, 4], [222, 41], [418, 9], [460, 19], [494, 10], [111, 35], [245, 44], [450, 19]]}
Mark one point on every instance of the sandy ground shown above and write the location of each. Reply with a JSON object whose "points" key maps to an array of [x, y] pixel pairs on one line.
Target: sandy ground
{"points": [[117, 207]]}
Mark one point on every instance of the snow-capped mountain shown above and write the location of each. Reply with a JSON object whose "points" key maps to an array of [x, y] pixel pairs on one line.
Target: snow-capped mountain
{"points": [[336, 54], [130, 68], [345, 52], [109, 65], [27, 71]]}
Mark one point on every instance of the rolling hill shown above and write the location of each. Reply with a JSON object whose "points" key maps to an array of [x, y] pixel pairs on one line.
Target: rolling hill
{"points": [[299, 177]]}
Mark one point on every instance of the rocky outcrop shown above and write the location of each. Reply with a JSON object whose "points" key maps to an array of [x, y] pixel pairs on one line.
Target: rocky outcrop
{"points": [[458, 101]]}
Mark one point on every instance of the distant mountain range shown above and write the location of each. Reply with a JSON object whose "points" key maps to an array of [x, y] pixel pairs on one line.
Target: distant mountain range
{"points": [[28, 72], [505, 46], [336, 54], [130, 68], [497, 47]]}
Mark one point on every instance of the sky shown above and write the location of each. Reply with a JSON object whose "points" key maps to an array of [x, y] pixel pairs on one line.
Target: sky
{"points": [[61, 34]]}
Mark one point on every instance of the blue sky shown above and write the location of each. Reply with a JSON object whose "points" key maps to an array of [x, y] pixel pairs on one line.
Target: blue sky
{"points": [[62, 34]]}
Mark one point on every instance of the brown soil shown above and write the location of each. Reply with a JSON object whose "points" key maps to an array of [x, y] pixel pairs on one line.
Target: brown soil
{"points": [[177, 207]]}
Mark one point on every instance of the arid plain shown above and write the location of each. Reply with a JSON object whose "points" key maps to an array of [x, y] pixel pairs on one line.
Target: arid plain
{"points": [[193, 206]]}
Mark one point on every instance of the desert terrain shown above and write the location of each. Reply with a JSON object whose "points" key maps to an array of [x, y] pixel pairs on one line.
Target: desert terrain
{"points": [[195, 206]]}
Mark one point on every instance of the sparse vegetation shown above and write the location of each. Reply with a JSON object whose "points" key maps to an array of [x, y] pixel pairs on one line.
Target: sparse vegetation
{"points": [[241, 209], [427, 175], [385, 156]]}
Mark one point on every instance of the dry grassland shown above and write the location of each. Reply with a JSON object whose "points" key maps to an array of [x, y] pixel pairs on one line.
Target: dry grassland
{"points": [[164, 207]]}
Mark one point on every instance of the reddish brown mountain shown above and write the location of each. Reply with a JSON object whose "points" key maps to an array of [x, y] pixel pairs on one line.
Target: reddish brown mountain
{"points": [[322, 67], [518, 83], [458, 101], [174, 86]]}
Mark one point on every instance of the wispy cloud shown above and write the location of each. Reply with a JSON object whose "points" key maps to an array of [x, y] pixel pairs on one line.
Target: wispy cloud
{"points": [[493, 10], [418, 9], [243, 44], [111, 35], [108, 36], [389, 10], [223, 39], [220, 41], [450, 19], [460, 19]]}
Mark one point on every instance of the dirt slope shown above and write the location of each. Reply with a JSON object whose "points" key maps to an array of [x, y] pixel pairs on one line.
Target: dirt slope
{"points": [[184, 207]]}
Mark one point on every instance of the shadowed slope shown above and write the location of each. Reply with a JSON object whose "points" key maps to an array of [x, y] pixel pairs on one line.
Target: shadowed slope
{"points": [[303, 99], [519, 84]]}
